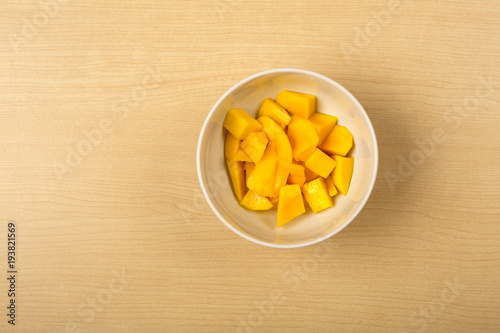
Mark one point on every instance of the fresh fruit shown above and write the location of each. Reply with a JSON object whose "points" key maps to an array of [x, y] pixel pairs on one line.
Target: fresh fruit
{"points": [[290, 204], [296, 169], [253, 201], [237, 174], [317, 195], [276, 135], [281, 177], [296, 179], [323, 124], [320, 163], [232, 149], [332, 190], [274, 111], [287, 161], [263, 175], [240, 124], [254, 145], [303, 138], [248, 169], [342, 173], [302, 105], [338, 142], [310, 175]]}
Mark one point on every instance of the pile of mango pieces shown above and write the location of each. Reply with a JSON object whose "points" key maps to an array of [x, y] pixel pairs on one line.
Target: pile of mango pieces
{"points": [[287, 154]]}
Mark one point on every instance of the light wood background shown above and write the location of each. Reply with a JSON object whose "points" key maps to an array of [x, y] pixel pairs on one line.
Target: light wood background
{"points": [[132, 205]]}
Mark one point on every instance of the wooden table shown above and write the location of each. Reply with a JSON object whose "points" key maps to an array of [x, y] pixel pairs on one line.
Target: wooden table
{"points": [[101, 107]]}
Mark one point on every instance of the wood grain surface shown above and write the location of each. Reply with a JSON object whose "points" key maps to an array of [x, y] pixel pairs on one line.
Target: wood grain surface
{"points": [[101, 106]]}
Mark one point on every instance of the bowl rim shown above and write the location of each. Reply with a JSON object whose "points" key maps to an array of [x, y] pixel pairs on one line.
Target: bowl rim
{"points": [[210, 115]]}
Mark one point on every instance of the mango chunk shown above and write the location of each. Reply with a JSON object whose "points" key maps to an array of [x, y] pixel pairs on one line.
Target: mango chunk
{"points": [[338, 142], [316, 194], [276, 135], [290, 204], [253, 201], [254, 145], [320, 163], [296, 179], [303, 138], [248, 169], [332, 190], [302, 105], [237, 174], [263, 175], [240, 124], [296, 169], [342, 173], [274, 111], [281, 177], [310, 175], [323, 124], [232, 149]]}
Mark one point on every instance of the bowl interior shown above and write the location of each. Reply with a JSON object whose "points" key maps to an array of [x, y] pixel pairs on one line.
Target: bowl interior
{"points": [[308, 228]]}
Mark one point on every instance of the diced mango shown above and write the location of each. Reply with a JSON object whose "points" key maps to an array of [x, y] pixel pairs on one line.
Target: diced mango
{"points": [[263, 175], [316, 194], [253, 201], [240, 124], [276, 135], [320, 163], [332, 190], [303, 138], [237, 174], [248, 169], [310, 175], [290, 204], [323, 123], [342, 173], [282, 160], [338, 142], [296, 179], [302, 105], [296, 169], [281, 177], [254, 145], [274, 111], [232, 149]]}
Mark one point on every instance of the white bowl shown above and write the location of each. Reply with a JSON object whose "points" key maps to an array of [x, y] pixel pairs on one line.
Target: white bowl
{"points": [[309, 228]]}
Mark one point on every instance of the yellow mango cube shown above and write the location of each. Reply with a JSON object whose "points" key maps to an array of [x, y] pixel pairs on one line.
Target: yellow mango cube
{"points": [[296, 169], [274, 111], [263, 175], [254, 145], [281, 177], [237, 174], [240, 124], [276, 135], [303, 138], [290, 204], [332, 190], [248, 169], [299, 104], [320, 163], [309, 174], [323, 124], [253, 201], [342, 174], [338, 142], [316, 194], [232, 149], [296, 179]]}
